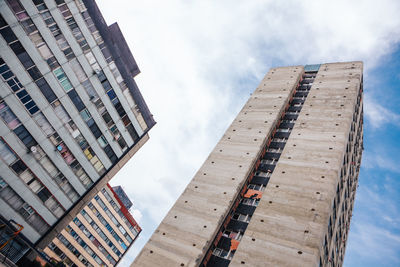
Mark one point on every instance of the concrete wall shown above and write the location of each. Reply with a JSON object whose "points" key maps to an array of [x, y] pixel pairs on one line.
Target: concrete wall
{"points": [[291, 220], [183, 237]]}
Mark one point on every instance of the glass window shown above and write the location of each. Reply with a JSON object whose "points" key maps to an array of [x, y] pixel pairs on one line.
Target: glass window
{"points": [[8, 116], [76, 100], [46, 90]]}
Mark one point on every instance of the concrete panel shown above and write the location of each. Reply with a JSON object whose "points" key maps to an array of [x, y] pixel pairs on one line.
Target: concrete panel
{"points": [[185, 234]]}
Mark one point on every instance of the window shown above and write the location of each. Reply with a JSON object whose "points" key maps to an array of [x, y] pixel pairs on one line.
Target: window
{"points": [[241, 217], [46, 90], [62, 79], [25, 136], [8, 116], [76, 100]]}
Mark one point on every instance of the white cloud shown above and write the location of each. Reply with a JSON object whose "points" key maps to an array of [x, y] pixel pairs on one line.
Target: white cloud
{"points": [[378, 115], [201, 59]]}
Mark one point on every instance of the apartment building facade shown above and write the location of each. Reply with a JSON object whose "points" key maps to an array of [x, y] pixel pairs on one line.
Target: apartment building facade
{"points": [[278, 189], [71, 114], [100, 235]]}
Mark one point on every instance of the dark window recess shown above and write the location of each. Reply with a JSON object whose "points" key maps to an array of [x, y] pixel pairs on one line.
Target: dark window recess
{"points": [[44, 194], [19, 167], [101, 76], [95, 130], [282, 134], [7, 75], [218, 262], [237, 226], [272, 155], [224, 243], [301, 93], [107, 86], [34, 110], [25, 136], [26, 60], [260, 180], [76, 100], [298, 101], [267, 167], [294, 108], [110, 153], [245, 209], [8, 35], [46, 90], [121, 142], [107, 118], [290, 116], [132, 132], [17, 48], [2, 21], [286, 125], [120, 109], [277, 145], [35, 73]]}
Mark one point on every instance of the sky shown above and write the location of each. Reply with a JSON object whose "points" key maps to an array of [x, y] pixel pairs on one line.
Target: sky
{"points": [[200, 61]]}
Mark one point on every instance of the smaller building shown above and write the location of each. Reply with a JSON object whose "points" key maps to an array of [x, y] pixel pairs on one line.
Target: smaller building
{"points": [[99, 235]]}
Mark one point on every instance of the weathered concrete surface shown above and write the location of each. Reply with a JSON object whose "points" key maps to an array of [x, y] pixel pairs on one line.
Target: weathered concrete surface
{"points": [[291, 221], [183, 237]]}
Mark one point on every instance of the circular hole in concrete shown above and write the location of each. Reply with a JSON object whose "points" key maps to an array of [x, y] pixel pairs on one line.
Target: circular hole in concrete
{"points": [[194, 245], [306, 231], [175, 217], [312, 209], [185, 201], [163, 233], [234, 130], [255, 139], [196, 186], [317, 193], [261, 220], [322, 176], [204, 173], [205, 226], [294, 144], [212, 162], [151, 252], [326, 161], [330, 148], [283, 171], [276, 186], [253, 239], [233, 179], [224, 193], [242, 262], [270, 202], [299, 252], [215, 209], [240, 166], [182, 264], [289, 157]]}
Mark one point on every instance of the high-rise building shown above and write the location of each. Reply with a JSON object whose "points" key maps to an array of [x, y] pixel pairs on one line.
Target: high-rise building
{"points": [[278, 189], [99, 235], [71, 114]]}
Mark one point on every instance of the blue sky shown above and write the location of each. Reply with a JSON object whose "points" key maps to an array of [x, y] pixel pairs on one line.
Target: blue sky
{"points": [[200, 60]]}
